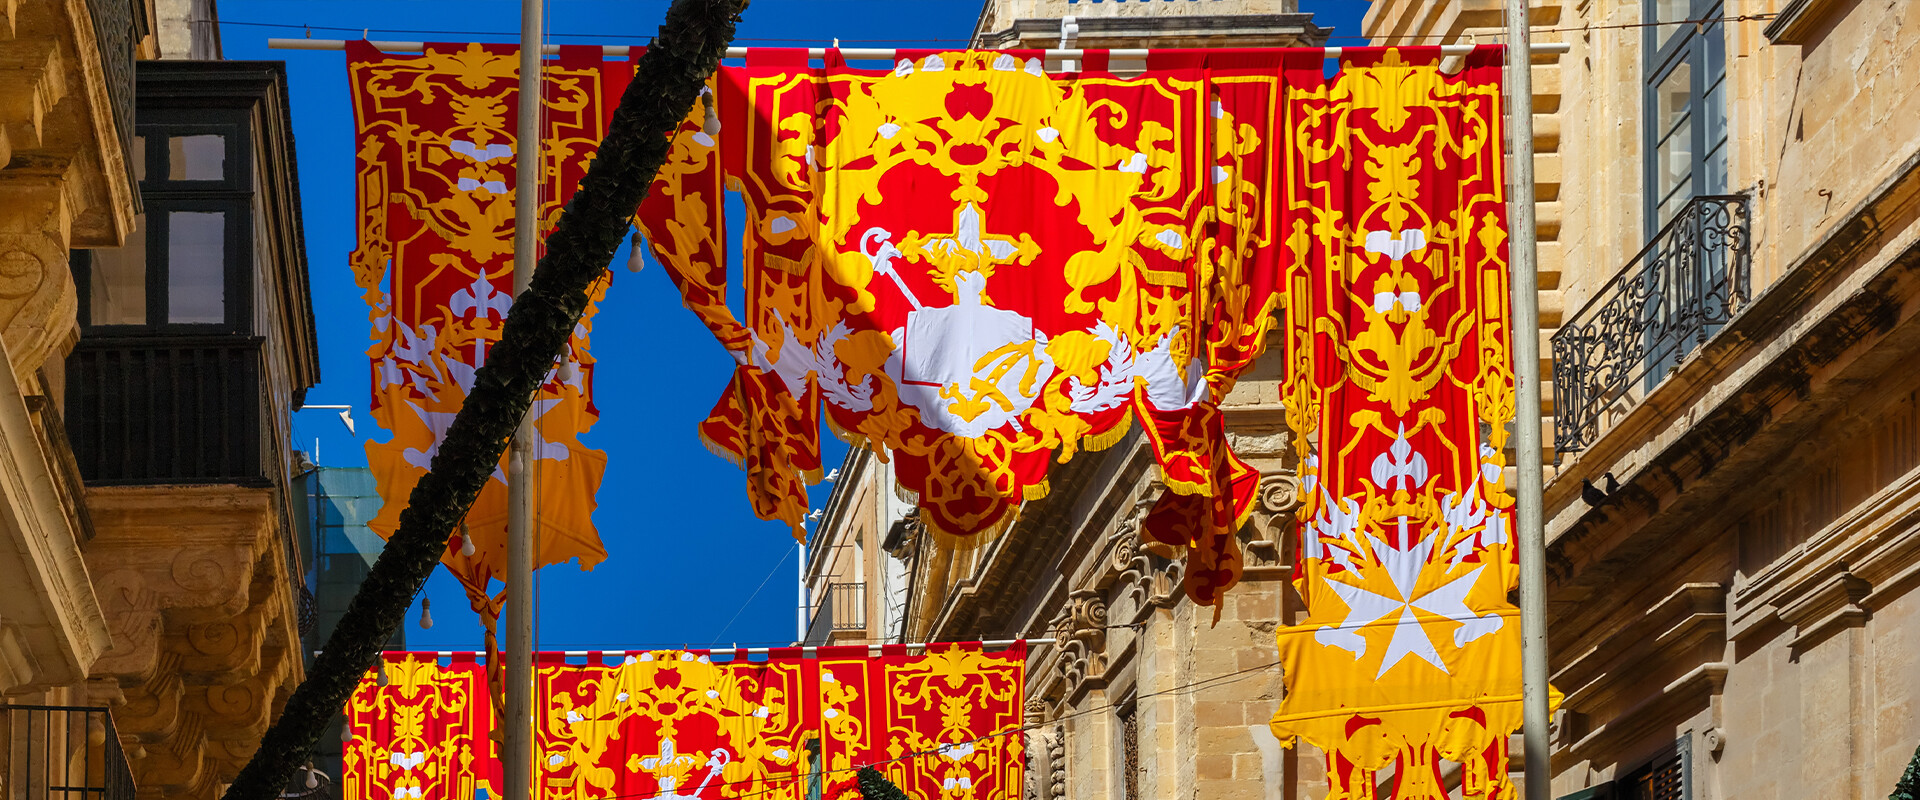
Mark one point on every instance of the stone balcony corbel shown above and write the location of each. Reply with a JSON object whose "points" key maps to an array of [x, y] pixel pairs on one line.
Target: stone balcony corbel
{"points": [[1828, 607]]}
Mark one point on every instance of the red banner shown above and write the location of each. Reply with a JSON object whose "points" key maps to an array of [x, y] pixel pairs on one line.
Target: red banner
{"points": [[975, 267], [946, 724], [1400, 391], [434, 136], [669, 723], [418, 730]]}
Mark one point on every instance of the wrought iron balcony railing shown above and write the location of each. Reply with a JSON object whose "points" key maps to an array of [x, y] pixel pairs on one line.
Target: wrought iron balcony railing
{"points": [[61, 753], [849, 604], [1669, 300]]}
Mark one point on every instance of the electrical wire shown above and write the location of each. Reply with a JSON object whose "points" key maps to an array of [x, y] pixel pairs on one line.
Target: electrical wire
{"points": [[1702, 22], [756, 591]]}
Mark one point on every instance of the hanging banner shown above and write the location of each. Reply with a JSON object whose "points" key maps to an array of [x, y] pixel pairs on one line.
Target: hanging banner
{"points": [[946, 724], [670, 723], [976, 267], [1400, 391], [673, 724], [434, 136], [425, 735]]}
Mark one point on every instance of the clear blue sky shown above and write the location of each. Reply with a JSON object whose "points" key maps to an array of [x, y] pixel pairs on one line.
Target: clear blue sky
{"points": [[685, 553]]}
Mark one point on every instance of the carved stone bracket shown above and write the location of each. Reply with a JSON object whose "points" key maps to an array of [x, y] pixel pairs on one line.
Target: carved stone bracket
{"points": [[1266, 536], [1832, 605]]}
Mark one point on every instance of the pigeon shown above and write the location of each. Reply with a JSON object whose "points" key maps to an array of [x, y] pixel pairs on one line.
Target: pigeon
{"points": [[1592, 494], [1613, 486]]}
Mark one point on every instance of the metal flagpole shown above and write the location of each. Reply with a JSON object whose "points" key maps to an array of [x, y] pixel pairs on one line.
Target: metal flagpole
{"points": [[1521, 254], [526, 248]]}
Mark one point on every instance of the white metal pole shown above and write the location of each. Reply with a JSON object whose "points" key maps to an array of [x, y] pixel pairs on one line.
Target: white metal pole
{"points": [[1521, 256], [800, 614], [526, 249]]}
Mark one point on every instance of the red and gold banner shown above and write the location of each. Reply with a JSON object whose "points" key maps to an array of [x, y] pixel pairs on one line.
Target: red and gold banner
{"points": [[434, 136], [424, 735], [971, 264], [672, 723], [946, 724], [1400, 391]]}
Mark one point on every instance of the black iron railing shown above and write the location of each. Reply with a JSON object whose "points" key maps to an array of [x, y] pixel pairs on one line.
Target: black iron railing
{"points": [[62, 753], [849, 604], [167, 409], [1673, 296]]}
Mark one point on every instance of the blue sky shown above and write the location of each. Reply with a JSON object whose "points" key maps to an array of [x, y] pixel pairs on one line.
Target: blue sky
{"points": [[685, 554]]}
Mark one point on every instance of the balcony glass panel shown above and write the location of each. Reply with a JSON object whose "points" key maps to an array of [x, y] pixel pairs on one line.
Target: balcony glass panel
{"points": [[196, 266], [201, 157]]}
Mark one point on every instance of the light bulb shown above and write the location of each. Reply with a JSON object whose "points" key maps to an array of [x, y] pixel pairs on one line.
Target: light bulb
{"points": [[313, 781], [382, 679], [635, 261], [466, 540], [711, 126], [426, 613], [567, 371]]}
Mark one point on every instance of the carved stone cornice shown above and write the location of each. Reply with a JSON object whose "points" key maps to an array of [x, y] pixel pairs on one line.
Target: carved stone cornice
{"points": [[1829, 606], [52, 628], [1686, 628], [197, 587]]}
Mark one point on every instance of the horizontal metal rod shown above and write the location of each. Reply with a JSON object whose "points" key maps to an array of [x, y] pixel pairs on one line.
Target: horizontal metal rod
{"points": [[857, 53], [810, 650]]}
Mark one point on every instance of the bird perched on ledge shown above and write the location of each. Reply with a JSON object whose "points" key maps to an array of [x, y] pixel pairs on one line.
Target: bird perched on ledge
{"points": [[1594, 495]]}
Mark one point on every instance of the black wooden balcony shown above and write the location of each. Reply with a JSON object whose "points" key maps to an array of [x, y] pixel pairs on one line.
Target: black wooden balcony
{"points": [[61, 753], [167, 409], [1668, 301]]}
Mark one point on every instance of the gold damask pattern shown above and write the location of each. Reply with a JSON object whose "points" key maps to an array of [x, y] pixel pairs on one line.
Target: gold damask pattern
{"points": [[418, 730], [685, 724], [435, 154], [971, 265], [1400, 386]]}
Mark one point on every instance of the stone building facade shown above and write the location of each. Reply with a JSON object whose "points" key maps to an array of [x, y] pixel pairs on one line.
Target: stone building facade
{"points": [[1730, 226], [160, 333], [1141, 694]]}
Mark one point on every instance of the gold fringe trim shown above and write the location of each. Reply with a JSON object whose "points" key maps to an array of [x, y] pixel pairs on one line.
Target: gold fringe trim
{"points": [[958, 543], [715, 448], [1036, 491], [1094, 442], [1186, 487]]}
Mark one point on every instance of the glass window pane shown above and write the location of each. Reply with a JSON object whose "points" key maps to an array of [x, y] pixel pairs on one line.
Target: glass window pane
{"points": [[1673, 144], [1667, 11], [1714, 171], [201, 157], [196, 266], [117, 285], [139, 156]]}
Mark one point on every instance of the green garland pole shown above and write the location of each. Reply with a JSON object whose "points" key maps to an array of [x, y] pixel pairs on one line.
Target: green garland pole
{"points": [[1909, 786], [666, 82], [875, 786]]}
